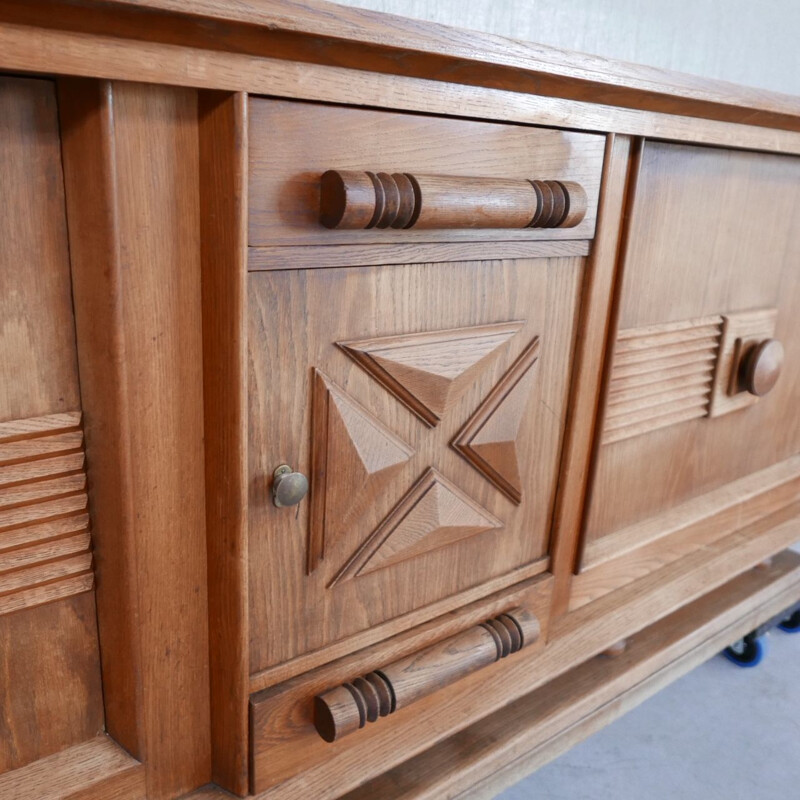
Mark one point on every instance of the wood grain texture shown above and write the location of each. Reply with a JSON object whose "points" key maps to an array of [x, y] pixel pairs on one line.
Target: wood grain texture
{"points": [[38, 360], [359, 200], [429, 326], [286, 167], [326, 256], [682, 262], [46, 49], [662, 375], [50, 692], [595, 332], [740, 331], [346, 708], [282, 716], [573, 638], [511, 743], [223, 229], [98, 769], [466, 57], [633, 552], [140, 337]]}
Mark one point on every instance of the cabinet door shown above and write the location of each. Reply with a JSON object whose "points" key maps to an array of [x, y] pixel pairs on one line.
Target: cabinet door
{"points": [[50, 694], [426, 404], [688, 455]]}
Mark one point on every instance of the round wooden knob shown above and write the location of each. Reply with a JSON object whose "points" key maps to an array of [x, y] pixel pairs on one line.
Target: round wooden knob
{"points": [[761, 367]]}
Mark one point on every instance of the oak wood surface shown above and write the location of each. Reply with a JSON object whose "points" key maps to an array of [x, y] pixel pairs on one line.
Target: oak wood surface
{"points": [[38, 361], [325, 256], [50, 692], [588, 369], [346, 708], [468, 57], [329, 351], [223, 209], [46, 49], [683, 264], [282, 716], [136, 280], [98, 769], [518, 739], [356, 200], [286, 166], [573, 638]]}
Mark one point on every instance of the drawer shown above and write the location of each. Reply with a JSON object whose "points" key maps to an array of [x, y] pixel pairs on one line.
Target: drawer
{"points": [[449, 668], [461, 179], [425, 403], [693, 447]]}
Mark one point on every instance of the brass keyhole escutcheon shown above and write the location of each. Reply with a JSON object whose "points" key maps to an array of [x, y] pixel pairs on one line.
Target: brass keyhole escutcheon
{"points": [[288, 487]]}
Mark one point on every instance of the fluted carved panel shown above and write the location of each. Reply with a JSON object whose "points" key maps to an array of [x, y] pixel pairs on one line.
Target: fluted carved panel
{"points": [[44, 525], [353, 457], [430, 371], [433, 514], [489, 440], [661, 375]]}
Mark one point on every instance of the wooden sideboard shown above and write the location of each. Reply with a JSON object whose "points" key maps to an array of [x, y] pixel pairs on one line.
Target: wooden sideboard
{"points": [[367, 384]]}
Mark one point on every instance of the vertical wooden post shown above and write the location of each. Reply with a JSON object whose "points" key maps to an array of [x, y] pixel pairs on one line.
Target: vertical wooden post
{"points": [[131, 164], [223, 206]]}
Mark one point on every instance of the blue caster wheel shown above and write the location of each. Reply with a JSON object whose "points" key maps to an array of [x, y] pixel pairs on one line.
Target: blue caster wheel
{"points": [[791, 624], [747, 652]]}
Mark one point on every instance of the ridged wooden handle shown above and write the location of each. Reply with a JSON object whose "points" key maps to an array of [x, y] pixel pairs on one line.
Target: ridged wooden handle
{"points": [[358, 200], [350, 706]]}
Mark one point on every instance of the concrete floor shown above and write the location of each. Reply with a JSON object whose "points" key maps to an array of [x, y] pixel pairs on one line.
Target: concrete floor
{"points": [[718, 733]]}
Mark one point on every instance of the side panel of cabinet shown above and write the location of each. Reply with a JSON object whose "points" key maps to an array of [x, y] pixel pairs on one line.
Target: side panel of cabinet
{"points": [[686, 456], [426, 404], [50, 694]]}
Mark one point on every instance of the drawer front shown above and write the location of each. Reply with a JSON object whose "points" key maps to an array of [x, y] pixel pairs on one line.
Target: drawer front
{"points": [[425, 403], [456, 674], [292, 145], [693, 447]]}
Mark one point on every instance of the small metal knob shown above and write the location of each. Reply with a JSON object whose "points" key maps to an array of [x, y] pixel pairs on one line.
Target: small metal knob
{"points": [[761, 367], [288, 487]]}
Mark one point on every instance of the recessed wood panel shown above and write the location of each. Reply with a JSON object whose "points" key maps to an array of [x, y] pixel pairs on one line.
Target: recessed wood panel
{"points": [[369, 381], [293, 144], [38, 363], [714, 237]]}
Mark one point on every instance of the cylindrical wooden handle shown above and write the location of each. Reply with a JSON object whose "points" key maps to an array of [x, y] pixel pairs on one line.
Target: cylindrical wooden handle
{"points": [[350, 706], [358, 200]]}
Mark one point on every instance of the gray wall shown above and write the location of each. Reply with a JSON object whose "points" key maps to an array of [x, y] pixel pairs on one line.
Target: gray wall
{"points": [[751, 42]]}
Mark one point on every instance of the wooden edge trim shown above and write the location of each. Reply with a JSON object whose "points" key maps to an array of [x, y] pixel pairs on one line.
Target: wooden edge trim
{"points": [[515, 741], [45, 50], [223, 232], [326, 33], [594, 326], [86, 115], [315, 256], [626, 211], [434, 615], [573, 639], [691, 513], [97, 768]]}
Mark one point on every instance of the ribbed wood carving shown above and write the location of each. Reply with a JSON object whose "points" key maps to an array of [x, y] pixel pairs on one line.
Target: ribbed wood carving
{"points": [[661, 375], [360, 200], [350, 706], [44, 525]]}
